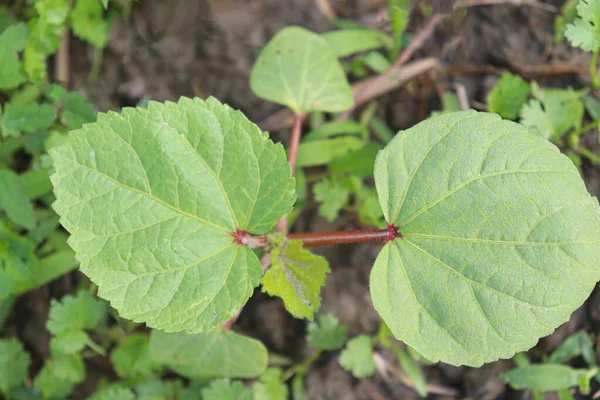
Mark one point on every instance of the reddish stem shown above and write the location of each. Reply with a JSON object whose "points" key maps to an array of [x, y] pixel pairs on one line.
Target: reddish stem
{"points": [[295, 141], [312, 239]]}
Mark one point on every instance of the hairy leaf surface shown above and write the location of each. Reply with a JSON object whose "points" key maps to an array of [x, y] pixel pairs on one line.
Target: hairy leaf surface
{"points": [[298, 69], [500, 238], [151, 198], [216, 354]]}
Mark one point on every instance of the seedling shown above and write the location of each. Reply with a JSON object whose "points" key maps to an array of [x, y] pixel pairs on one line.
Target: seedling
{"points": [[491, 239]]}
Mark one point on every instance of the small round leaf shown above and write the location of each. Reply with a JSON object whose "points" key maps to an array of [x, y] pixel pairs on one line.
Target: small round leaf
{"points": [[298, 69], [500, 238]]}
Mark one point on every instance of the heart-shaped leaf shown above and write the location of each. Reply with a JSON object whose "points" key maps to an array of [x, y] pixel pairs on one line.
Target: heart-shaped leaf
{"points": [[500, 238], [152, 198], [298, 69]]}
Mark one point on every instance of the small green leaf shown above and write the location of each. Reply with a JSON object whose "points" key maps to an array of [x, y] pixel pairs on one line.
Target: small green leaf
{"points": [[51, 386], [545, 377], [376, 61], [224, 389], [12, 40], [357, 357], [568, 12], [13, 200], [81, 311], [350, 41], [333, 197], [70, 341], [77, 110], [327, 333], [320, 152], [18, 119], [298, 69], [552, 116], [356, 162], [398, 11], [14, 363], [271, 386], [131, 358], [334, 128], [575, 345], [68, 367], [475, 195], [592, 106], [113, 393], [104, 3], [35, 183], [215, 354], [584, 32], [509, 96], [88, 23], [186, 176], [296, 275]]}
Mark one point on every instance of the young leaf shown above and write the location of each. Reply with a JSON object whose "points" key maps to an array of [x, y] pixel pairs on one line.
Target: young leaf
{"points": [[357, 357], [499, 238], [13, 200], [68, 367], [77, 110], [584, 32], [298, 69], [349, 41], [12, 40], [509, 96], [327, 333], [575, 345], [334, 128], [215, 354], [14, 362], [113, 393], [18, 119], [51, 386], [333, 197], [545, 377], [398, 11], [224, 389], [296, 275], [104, 3], [131, 358], [88, 23], [271, 386], [81, 311], [151, 218], [321, 152]]}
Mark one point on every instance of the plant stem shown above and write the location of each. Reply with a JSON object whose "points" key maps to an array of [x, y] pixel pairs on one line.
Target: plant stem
{"points": [[292, 155], [593, 68], [312, 239]]}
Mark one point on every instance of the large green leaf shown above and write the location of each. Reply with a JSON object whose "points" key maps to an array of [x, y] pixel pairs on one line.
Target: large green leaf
{"points": [[151, 198], [298, 69], [218, 353], [500, 238]]}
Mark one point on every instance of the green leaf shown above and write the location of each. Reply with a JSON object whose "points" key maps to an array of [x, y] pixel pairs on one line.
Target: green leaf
{"points": [[552, 116], [333, 197], [18, 119], [104, 3], [47, 269], [70, 341], [51, 386], [14, 363], [81, 311], [296, 275], [320, 152], [584, 32], [568, 12], [592, 106], [298, 69], [35, 183], [12, 40], [350, 41], [271, 386], [161, 390], [224, 389], [509, 96], [131, 358], [327, 333], [68, 367], [13, 200], [113, 393], [215, 354], [545, 377], [357, 357], [334, 128], [573, 346], [88, 23], [398, 11], [376, 61], [185, 176], [77, 110], [356, 162], [500, 238]]}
